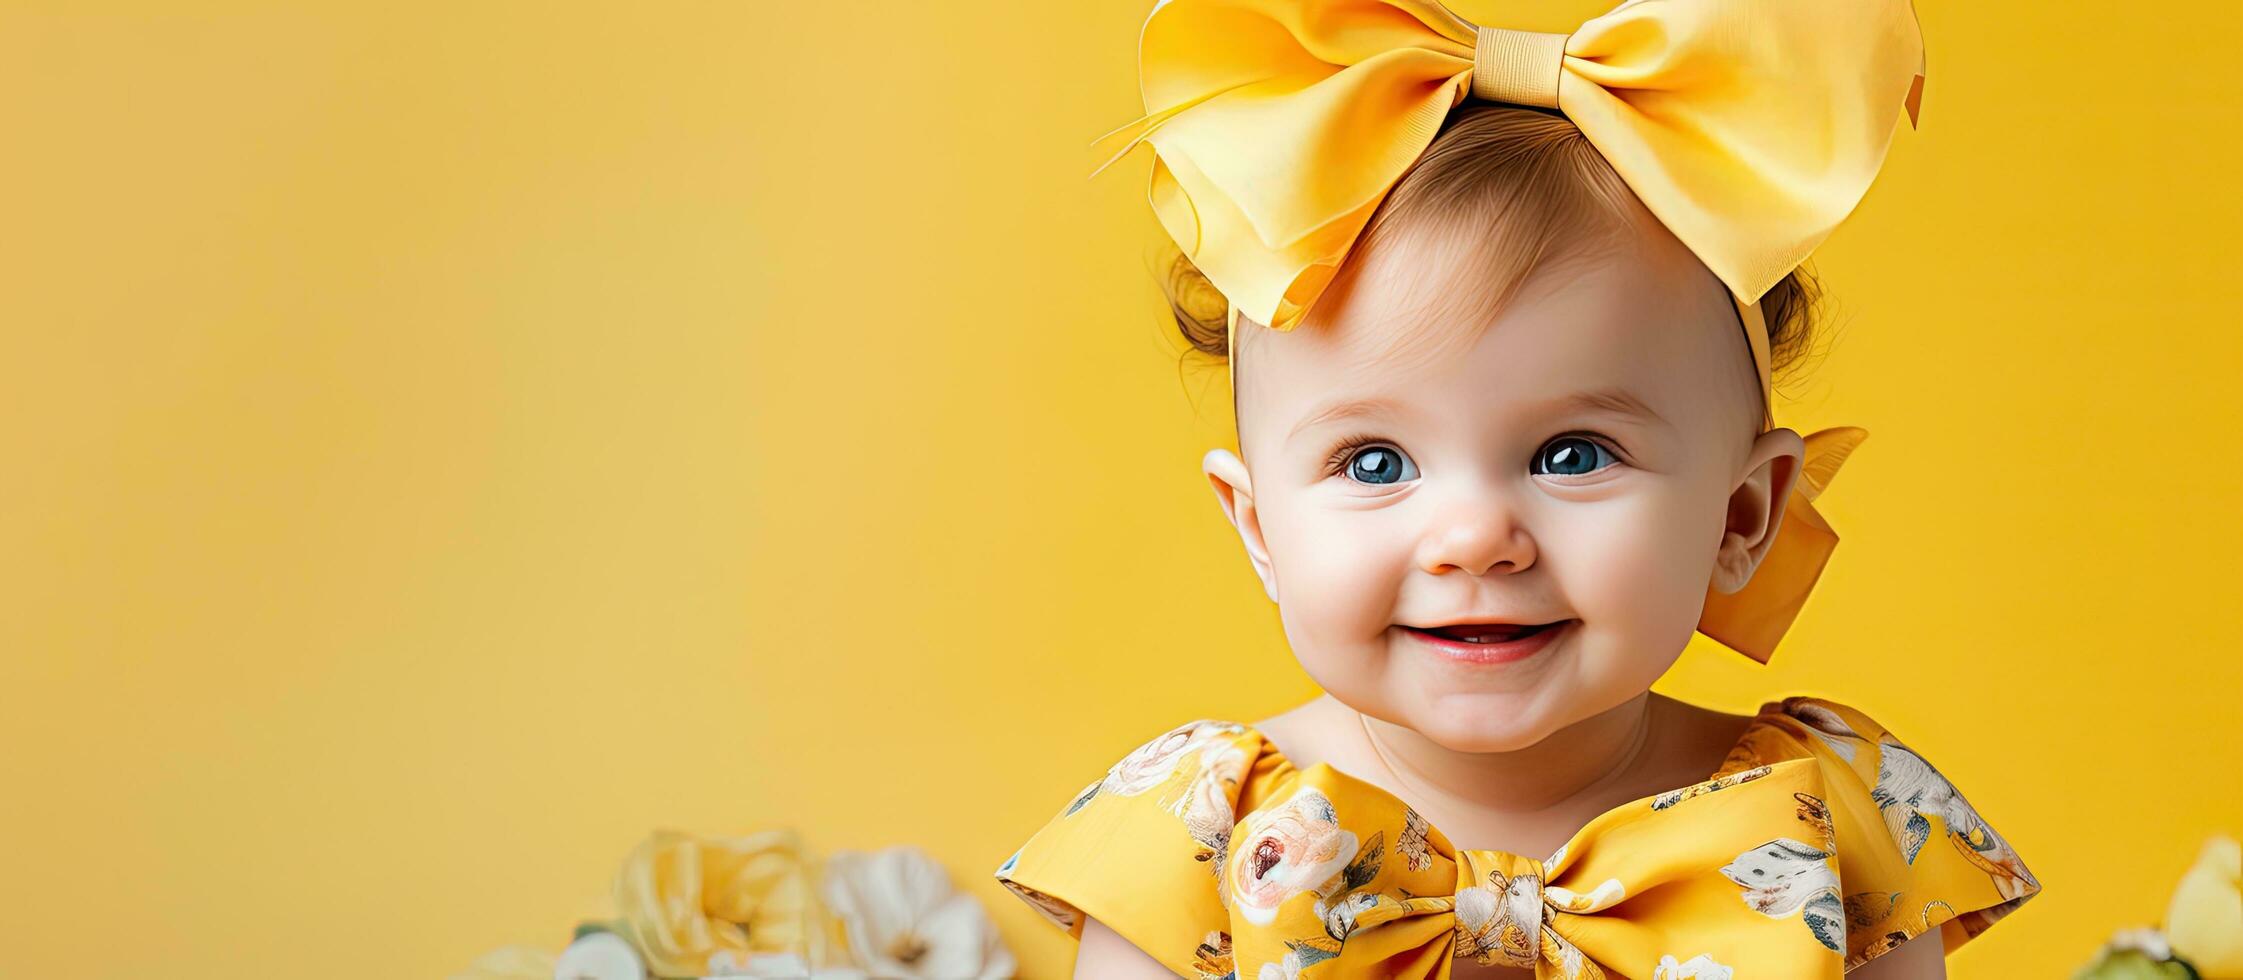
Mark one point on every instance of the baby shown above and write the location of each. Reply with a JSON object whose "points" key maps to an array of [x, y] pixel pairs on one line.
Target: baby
{"points": [[1493, 479]]}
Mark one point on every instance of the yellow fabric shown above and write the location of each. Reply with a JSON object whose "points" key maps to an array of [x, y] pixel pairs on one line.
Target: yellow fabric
{"points": [[1750, 128], [1820, 843]]}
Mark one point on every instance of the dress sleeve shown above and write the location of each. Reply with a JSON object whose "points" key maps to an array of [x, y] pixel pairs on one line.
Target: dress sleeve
{"points": [[1141, 849], [1913, 854]]}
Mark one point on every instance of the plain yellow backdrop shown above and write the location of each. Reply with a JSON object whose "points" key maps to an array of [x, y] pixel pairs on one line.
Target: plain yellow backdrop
{"points": [[440, 443]]}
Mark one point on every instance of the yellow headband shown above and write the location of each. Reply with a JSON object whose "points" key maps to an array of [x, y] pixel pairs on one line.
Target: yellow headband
{"points": [[1749, 128]]}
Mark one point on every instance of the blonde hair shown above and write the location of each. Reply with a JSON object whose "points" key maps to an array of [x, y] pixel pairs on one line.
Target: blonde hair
{"points": [[1526, 189]]}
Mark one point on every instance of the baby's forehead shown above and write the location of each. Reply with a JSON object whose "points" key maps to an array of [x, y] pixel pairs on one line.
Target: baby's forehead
{"points": [[1648, 326]]}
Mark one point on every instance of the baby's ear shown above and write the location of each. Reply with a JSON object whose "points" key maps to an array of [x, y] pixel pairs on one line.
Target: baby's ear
{"points": [[1235, 491], [1756, 507]]}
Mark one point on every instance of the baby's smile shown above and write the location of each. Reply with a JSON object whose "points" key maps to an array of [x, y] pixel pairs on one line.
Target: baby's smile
{"points": [[1488, 643]]}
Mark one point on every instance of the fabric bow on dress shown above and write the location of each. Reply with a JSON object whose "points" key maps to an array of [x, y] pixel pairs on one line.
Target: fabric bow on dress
{"points": [[1749, 128], [1620, 891], [1821, 842]]}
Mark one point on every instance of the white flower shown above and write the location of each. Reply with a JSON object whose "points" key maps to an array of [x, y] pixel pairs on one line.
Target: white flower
{"points": [[599, 956], [1288, 968], [1288, 849], [1699, 967], [1556, 856], [1151, 764], [904, 919]]}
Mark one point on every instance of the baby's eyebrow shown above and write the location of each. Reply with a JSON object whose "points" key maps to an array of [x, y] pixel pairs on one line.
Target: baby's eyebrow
{"points": [[1347, 409], [1616, 400]]}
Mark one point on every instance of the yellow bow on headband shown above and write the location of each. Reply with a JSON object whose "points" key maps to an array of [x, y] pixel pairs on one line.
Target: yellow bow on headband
{"points": [[1749, 128]]}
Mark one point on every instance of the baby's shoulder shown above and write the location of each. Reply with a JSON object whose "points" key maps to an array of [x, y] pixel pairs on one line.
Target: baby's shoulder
{"points": [[1806, 726], [1142, 845], [1914, 853], [1198, 750]]}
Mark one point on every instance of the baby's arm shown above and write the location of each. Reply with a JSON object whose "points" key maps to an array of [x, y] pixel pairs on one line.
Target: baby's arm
{"points": [[1921, 958], [1105, 955]]}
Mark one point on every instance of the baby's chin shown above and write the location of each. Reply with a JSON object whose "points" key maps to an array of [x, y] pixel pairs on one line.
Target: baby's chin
{"points": [[1482, 722], [1477, 707], [1458, 719]]}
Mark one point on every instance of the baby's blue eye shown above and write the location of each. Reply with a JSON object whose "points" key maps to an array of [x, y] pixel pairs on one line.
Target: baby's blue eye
{"points": [[1571, 456], [1380, 465]]}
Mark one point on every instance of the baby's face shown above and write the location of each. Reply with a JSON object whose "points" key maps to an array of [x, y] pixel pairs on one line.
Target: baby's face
{"points": [[1591, 458]]}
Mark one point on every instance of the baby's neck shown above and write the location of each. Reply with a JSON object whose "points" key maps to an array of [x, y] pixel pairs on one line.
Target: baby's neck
{"points": [[1525, 802], [1571, 763]]}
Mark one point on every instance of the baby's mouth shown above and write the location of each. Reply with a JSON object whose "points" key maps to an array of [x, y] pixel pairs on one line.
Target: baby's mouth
{"points": [[1487, 632]]}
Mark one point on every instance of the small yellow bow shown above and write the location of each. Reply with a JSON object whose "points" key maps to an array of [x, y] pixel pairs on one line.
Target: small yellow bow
{"points": [[1749, 128]]}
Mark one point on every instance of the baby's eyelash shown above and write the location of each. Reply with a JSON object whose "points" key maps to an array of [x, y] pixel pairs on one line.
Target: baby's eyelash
{"points": [[1610, 445], [1337, 461]]}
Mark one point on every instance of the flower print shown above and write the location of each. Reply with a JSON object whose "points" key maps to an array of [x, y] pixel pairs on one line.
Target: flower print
{"points": [[1084, 796], [1672, 797], [1206, 805], [1054, 910], [1298, 957], [1909, 788], [1500, 922], [1871, 908], [1340, 914], [1412, 845], [1153, 762], [1212, 961], [1815, 813], [1287, 849], [1699, 967], [1879, 946], [1288, 968], [1784, 876], [1551, 864], [1825, 723], [1343, 900]]}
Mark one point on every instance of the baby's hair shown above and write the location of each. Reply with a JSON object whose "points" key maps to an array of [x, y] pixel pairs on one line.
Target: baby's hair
{"points": [[1529, 175]]}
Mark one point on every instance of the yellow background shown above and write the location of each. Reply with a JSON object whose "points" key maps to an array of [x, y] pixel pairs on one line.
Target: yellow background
{"points": [[443, 442]]}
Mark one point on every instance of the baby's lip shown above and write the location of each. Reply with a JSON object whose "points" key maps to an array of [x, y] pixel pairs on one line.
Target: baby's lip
{"points": [[1494, 622], [1488, 632]]}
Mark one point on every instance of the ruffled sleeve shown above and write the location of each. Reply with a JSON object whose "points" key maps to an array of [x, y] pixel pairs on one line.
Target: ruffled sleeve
{"points": [[1913, 854], [1141, 849]]}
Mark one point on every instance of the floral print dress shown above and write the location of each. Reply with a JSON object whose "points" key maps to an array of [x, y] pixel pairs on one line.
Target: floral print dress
{"points": [[1821, 842]]}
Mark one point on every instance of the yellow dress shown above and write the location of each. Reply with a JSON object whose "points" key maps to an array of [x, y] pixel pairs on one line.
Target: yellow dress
{"points": [[1821, 842]]}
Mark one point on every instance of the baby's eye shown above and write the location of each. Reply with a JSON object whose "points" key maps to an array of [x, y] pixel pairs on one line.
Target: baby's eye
{"points": [[1379, 466], [1572, 456]]}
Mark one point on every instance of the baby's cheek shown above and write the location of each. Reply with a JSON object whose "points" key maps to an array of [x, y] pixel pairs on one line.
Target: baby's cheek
{"points": [[1635, 571], [1337, 576]]}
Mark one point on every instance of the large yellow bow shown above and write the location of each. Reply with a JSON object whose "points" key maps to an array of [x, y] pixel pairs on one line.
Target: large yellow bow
{"points": [[1749, 128], [1618, 896]]}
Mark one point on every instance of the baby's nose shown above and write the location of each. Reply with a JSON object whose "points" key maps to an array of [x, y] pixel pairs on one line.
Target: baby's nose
{"points": [[1475, 536]]}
